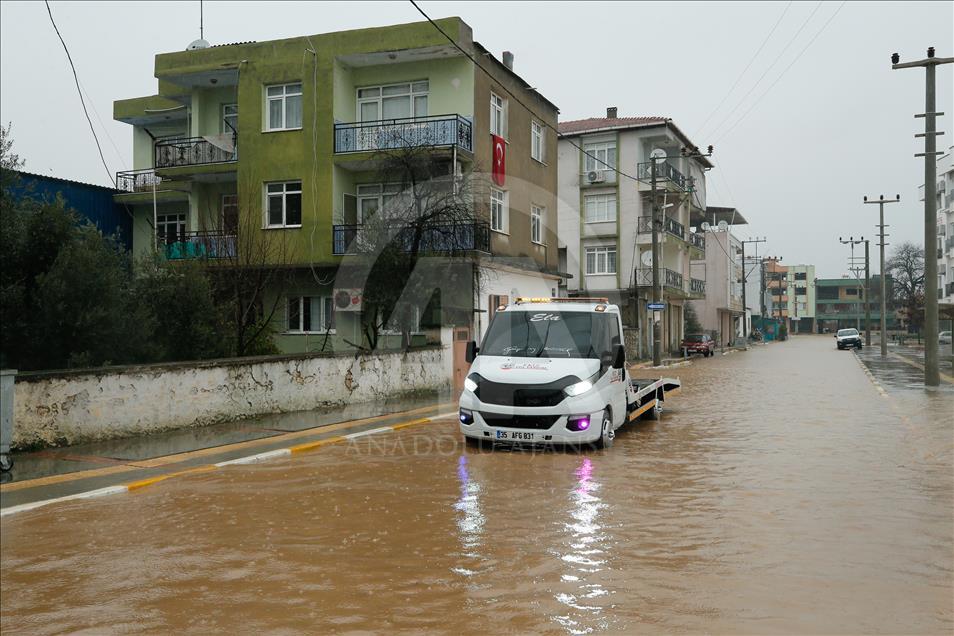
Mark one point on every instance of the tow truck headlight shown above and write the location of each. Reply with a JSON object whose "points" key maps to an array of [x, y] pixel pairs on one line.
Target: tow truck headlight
{"points": [[466, 417], [578, 389], [578, 423], [470, 385]]}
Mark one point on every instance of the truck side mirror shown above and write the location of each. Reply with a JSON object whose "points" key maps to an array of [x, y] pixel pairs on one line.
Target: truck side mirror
{"points": [[471, 353], [619, 361]]}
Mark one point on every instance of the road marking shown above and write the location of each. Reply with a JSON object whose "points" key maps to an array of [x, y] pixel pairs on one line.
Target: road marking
{"points": [[109, 490], [373, 431], [252, 459]]}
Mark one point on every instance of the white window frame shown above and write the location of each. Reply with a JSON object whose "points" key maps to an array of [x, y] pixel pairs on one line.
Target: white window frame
{"points": [[415, 89], [601, 266], [381, 193], [600, 202], [595, 149], [288, 90], [537, 141], [390, 330], [499, 221], [226, 115], [286, 190], [498, 115], [325, 303], [536, 223], [176, 219]]}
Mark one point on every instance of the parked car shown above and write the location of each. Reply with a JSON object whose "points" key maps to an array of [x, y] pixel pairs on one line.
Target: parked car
{"points": [[846, 338], [698, 343], [944, 337]]}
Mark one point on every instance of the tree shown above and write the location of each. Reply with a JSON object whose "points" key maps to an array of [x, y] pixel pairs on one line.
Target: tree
{"points": [[691, 320], [430, 212], [9, 160], [906, 266]]}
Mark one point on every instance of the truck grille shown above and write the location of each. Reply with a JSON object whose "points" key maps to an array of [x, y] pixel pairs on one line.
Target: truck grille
{"points": [[507, 394], [535, 422]]}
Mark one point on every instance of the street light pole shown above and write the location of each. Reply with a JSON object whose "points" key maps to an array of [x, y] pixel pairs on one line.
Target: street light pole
{"points": [[745, 278], [867, 298], [881, 235], [854, 270], [930, 63]]}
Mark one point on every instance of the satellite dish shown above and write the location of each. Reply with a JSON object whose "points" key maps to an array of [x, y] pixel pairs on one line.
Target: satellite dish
{"points": [[197, 44], [705, 226], [647, 258], [658, 155], [723, 225]]}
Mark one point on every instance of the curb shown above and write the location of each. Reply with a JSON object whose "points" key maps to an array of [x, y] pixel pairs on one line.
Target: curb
{"points": [[250, 459], [874, 381]]}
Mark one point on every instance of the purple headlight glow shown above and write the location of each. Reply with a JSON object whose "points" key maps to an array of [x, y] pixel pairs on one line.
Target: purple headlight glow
{"points": [[578, 423]]}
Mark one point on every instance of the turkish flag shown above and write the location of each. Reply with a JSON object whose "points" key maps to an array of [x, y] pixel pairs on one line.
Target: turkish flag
{"points": [[499, 172]]}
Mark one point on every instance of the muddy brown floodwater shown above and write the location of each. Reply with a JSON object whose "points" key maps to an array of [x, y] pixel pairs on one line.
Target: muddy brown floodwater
{"points": [[780, 493]]}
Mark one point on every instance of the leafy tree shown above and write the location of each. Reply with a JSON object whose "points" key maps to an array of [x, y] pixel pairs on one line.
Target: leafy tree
{"points": [[906, 266], [691, 320]]}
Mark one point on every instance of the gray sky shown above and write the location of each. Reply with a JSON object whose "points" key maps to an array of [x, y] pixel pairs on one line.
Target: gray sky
{"points": [[837, 125]]}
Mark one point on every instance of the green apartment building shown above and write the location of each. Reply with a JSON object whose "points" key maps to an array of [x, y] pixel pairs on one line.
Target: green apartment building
{"points": [[839, 304], [283, 142]]}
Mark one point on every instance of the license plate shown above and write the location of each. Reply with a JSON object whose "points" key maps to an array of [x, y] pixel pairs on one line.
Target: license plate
{"points": [[515, 436]]}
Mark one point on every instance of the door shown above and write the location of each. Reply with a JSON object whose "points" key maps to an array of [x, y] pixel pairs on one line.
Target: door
{"points": [[461, 366]]}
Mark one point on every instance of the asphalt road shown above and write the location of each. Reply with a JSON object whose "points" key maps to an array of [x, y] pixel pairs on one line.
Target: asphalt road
{"points": [[787, 489]]}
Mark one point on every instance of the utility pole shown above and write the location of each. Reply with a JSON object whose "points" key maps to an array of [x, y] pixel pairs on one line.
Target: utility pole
{"points": [[867, 298], [855, 270], [881, 235], [930, 64], [657, 258], [745, 278]]}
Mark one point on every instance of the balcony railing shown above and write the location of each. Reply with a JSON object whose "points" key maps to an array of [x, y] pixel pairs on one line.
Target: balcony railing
{"points": [[644, 225], [198, 244], [668, 277], [665, 171], [697, 287], [446, 237], [137, 180], [698, 239], [411, 132], [675, 228], [195, 151]]}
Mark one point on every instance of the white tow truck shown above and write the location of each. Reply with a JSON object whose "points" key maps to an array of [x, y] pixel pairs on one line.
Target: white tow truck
{"points": [[553, 371]]}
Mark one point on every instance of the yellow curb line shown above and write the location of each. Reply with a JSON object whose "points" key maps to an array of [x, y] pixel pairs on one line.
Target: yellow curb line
{"points": [[916, 365]]}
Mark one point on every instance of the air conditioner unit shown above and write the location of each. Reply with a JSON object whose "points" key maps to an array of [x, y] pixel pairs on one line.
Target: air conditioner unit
{"points": [[347, 299], [595, 176]]}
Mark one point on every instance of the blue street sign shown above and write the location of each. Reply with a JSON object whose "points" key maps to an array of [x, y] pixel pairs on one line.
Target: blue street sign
{"points": [[656, 306]]}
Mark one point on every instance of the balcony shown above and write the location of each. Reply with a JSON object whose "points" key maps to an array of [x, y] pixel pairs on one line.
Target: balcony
{"points": [[644, 225], [138, 180], [666, 174], [669, 278], [439, 131], [212, 244], [195, 151], [443, 238], [697, 288], [698, 240]]}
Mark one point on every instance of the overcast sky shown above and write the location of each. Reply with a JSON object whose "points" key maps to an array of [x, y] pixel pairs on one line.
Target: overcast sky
{"points": [[796, 152]]}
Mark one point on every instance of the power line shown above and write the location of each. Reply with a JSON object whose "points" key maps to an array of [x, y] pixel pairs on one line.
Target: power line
{"points": [[80, 93], [747, 67], [770, 67], [785, 70]]}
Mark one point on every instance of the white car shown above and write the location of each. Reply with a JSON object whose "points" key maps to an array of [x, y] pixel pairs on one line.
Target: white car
{"points": [[553, 370], [848, 338], [944, 337]]}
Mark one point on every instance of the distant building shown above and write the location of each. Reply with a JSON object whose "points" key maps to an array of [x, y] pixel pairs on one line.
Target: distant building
{"points": [[91, 202], [838, 304], [945, 233], [801, 309]]}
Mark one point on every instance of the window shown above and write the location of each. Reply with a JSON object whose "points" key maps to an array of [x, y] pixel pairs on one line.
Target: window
{"points": [[601, 156], [536, 224], [499, 215], [170, 227], [801, 291], [498, 116], [412, 316], [600, 207], [230, 118], [309, 314], [601, 260], [800, 275], [373, 197], [283, 106], [851, 291], [230, 214], [394, 101], [283, 204], [536, 141]]}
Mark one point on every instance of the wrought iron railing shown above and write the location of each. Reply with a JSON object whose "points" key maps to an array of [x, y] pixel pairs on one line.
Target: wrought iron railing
{"points": [[137, 180], [444, 237], [698, 239], [668, 277], [675, 228], [697, 287], [665, 171], [644, 224], [411, 132], [198, 244], [193, 151]]}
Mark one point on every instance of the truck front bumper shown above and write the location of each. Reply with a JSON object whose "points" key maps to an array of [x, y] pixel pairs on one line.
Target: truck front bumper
{"points": [[536, 425]]}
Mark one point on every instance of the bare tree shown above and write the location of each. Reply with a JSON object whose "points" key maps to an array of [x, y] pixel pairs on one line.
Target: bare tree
{"points": [[906, 267]]}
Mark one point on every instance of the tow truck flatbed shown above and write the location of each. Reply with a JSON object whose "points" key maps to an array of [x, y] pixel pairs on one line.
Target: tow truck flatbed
{"points": [[647, 394]]}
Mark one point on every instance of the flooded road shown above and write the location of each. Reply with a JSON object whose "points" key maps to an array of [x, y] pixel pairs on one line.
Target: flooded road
{"points": [[780, 493]]}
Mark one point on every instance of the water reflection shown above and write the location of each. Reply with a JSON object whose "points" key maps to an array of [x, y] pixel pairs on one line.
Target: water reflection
{"points": [[470, 519], [585, 556]]}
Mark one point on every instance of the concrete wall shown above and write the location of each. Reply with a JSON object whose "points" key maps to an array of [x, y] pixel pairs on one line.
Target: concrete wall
{"points": [[70, 407]]}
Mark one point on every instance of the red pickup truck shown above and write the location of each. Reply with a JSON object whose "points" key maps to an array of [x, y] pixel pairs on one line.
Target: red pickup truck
{"points": [[698, 343]]}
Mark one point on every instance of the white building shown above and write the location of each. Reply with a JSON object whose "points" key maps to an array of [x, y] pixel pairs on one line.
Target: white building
{"points": [[605, 218], [721, 313], [945, 231]]}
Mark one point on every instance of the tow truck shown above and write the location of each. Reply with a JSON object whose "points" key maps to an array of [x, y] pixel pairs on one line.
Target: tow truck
{"points": [[553, 371]]}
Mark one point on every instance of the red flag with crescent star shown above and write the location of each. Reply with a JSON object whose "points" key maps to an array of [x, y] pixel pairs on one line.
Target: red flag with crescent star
{"points": [[499, 172]]}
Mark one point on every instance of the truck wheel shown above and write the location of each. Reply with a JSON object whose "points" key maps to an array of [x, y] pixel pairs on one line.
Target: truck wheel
{"points": [[607, 434]]}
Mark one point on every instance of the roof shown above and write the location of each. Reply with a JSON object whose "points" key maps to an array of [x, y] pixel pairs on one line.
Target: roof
{"points": [[714, 214], [479, 48], [46, 177], [601, 124]]}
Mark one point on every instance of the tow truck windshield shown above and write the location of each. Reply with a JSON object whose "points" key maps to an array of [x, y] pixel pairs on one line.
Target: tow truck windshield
{"points": [[551, 334]]}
